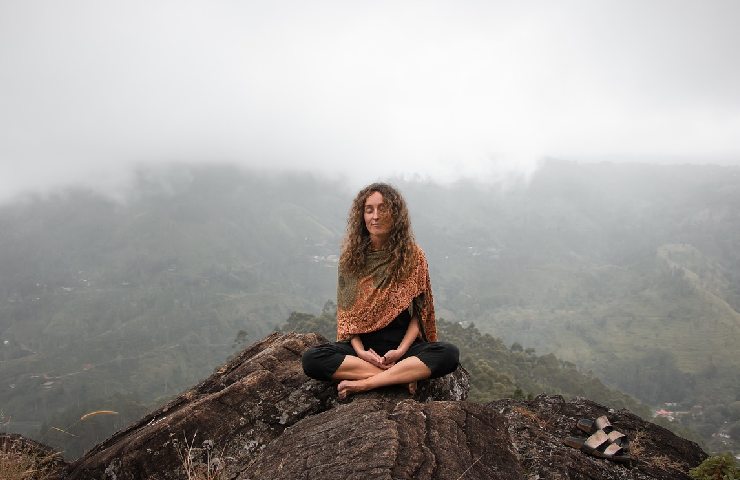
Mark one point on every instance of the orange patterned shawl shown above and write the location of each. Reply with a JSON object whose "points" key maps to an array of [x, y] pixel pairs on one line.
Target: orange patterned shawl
{"points": [[370, 301]]}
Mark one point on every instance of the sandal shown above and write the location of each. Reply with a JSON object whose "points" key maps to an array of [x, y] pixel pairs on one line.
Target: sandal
{"points": [[619, 438], [602, 423], [599, 445], [590, 426]]}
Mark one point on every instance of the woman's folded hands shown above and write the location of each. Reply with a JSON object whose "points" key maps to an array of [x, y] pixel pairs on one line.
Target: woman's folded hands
{"points": [[392, 356], [384, 362], [371, 357]]}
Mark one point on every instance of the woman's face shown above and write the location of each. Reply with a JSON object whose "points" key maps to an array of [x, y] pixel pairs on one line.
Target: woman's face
{"points": [[378, 219]]}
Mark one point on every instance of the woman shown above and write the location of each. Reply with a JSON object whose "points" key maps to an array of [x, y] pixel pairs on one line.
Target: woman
{"points": [[385, 312]]}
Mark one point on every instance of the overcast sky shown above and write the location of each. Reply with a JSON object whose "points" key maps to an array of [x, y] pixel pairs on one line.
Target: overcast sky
{"points": [[364, 89]]}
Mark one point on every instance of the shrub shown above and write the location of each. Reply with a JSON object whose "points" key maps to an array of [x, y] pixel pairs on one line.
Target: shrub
{"points": [[718, 467]]}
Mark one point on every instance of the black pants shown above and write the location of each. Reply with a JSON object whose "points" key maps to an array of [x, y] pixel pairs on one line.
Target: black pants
{"points": [[320, 362]]}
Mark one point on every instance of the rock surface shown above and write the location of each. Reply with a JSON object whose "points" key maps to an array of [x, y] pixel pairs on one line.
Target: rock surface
{"points": [[389, 439], [260, 417], [537, 429], [232, 416]]}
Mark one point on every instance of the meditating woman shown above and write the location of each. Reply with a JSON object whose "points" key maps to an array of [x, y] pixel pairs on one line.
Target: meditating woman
{"points": [[385, 312]]}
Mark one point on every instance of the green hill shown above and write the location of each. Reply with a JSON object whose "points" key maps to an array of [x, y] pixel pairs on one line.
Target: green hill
{"points": [[630, 271]]}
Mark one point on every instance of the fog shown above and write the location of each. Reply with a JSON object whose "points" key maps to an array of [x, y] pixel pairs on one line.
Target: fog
{"points": [[361, 90]]}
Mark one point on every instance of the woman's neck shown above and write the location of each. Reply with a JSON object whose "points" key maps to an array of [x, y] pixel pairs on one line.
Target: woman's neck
{"points": [[378, 242]]}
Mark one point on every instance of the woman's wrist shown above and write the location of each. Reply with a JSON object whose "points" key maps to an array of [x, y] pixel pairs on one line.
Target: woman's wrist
{"points": [[357, 344]]}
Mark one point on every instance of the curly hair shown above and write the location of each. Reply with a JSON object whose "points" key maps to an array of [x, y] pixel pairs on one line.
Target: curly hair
{"points": [[356, 244]]}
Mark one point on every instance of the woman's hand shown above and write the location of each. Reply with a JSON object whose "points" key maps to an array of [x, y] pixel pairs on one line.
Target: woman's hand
{"points": [[392, 356], [371, 357], [412, 332]]}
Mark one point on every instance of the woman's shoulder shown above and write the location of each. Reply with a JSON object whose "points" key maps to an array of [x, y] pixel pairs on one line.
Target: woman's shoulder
{"points": [[419, 253]]}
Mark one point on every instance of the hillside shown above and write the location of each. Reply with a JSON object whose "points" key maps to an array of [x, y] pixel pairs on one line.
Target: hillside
{"points": [[630, 271], [120, 306]]}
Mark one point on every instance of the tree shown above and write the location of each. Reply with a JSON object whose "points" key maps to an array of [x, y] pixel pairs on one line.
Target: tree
{"points": [[718, 467]]}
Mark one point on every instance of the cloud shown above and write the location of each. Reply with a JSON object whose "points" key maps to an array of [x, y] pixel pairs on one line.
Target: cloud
{"points": [[363, 89]]}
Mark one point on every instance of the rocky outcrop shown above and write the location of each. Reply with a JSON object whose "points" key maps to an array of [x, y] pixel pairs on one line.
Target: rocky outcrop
{"points": [[537, 428], [241, 408], [232, 416], [390, 439], [260, 417]]}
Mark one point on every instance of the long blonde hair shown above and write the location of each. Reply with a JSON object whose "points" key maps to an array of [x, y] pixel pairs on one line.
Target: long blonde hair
{"points": [[401, 243]]}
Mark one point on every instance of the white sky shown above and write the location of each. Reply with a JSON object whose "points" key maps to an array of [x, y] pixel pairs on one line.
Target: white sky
{"points": [[362, 89]]}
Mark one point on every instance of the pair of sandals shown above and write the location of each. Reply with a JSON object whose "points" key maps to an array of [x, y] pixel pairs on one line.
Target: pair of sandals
{"points": [[604, 441]]}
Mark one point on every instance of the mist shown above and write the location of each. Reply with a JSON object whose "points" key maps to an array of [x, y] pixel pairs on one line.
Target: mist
{"points": [[439, 91]]}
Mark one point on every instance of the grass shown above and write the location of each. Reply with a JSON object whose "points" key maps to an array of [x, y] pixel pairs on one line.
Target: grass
{"points": [[20, 460], [15, 466], [663, 462], [194, 469], [23, 464], [533, 417], [636, 444], [468, 469]]}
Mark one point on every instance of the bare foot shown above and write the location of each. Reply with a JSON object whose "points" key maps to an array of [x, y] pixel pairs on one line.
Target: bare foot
{"points": [[412, 388], [346, 387]]}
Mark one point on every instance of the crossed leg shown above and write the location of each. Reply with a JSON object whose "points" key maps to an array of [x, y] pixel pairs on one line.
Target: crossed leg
{"points": [[356, 377], [355, 368]]}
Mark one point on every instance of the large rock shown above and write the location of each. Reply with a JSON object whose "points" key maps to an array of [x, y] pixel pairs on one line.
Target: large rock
{"points": [[387, 439], [537, 429], [232, 416], [260, 417]]}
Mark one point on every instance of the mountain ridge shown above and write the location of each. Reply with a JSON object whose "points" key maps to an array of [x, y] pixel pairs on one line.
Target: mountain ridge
{"points": [[566, 264]]}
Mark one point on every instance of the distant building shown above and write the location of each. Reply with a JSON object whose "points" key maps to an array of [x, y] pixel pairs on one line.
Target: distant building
{"points": [[667, 414]]}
